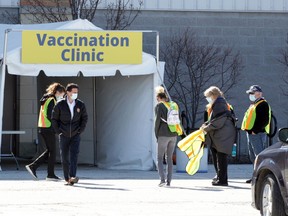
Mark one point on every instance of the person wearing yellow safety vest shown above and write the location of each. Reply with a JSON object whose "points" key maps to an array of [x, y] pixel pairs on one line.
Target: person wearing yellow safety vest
{"points": [[256, 122], [166, 139], [46, 133], [220, 133]]}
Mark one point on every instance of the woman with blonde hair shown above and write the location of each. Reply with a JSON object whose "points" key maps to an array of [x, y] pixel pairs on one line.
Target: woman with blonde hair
{"points": [[46, 133], [221, 133], [165, 138]]}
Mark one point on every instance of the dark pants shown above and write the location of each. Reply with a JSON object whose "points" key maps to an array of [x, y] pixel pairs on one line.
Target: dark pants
{"points": [[47, 138], [69, 150], [221, 165]]}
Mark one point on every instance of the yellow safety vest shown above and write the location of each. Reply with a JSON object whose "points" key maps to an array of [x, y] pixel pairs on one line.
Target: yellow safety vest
{"points": [[177, 127], [250, 116], [43, 121]]}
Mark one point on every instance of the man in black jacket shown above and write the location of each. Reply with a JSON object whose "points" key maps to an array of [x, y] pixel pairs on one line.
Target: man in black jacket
{"points": [[69, 119], [256, 122]]}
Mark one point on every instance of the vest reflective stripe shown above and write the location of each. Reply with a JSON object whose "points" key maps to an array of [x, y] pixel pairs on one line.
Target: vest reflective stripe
{"points": [[267, 128], [174, 128], [250, 117], [209, 110], [43, 121]]}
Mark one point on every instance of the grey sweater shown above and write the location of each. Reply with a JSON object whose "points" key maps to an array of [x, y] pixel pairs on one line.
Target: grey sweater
{"points": [[161, 127]]}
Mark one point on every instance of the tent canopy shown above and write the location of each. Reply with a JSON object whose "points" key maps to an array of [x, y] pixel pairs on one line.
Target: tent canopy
{"points": [[15, 66], [126, 137]]}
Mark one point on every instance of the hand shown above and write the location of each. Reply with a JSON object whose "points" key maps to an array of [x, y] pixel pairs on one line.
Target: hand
{"points": [[202, 127]]}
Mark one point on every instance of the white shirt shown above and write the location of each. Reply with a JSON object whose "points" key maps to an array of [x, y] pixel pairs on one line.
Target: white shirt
{"points": [[71, 107]]}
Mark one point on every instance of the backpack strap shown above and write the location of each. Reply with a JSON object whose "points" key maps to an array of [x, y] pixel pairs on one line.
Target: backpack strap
{"points": [[167, 105]]}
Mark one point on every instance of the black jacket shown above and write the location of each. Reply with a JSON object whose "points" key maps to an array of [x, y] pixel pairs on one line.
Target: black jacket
{"points": [[161, 128], [262, 117], [61, 118]]}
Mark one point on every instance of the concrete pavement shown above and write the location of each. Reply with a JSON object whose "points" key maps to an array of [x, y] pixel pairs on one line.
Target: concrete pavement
{"points": [[124, 193]]}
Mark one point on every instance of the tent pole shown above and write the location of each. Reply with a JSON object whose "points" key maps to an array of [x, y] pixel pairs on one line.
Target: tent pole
{"points": [[157, 66], [2, 87], [157, 47], [94, 122]]}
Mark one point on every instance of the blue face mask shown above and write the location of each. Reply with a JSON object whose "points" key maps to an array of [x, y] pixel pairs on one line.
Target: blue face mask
{"points": [[209, 99], [252, 97]]}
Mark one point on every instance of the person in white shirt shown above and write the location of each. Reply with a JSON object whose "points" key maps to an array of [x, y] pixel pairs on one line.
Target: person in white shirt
{"points": [[69, 119]]}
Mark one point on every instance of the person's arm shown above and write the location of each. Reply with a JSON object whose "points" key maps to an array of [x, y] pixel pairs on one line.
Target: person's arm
{"points": [[84, 119], [157, 120], [215, 124], [50, 108], [219, 111], [55, 118], [262, 117]]}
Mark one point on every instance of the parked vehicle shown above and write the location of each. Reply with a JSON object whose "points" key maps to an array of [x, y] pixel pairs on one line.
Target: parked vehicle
{"points": [[270, 178]]}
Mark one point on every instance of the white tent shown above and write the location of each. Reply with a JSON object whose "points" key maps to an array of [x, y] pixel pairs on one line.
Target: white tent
{"points": [[124, 128]]}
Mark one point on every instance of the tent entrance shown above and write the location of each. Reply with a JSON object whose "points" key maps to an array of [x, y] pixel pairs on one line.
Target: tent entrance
{"points": [[87, 94], [120, 119], [125, 121]]}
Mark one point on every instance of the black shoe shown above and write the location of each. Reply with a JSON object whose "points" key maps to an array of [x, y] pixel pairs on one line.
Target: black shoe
{"points": [[249, 181], [31, 170], [53, 178], [218, 183], [168, 184]]}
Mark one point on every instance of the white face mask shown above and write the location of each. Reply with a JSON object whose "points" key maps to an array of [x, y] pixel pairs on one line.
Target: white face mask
{"points": [[74, 96], [252, 97], [59, 97], [209, 99]]}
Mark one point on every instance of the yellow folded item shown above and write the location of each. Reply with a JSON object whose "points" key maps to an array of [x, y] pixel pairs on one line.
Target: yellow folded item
{"points": [[193, 146]]}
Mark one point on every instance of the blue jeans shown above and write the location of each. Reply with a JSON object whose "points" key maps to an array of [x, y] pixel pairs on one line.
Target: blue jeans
{"points": [[69, 150], [256, 144]]}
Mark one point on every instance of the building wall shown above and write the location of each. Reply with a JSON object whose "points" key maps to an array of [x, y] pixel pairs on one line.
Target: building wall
{"points": [[9, 11], [9, 15], [258, 36], [28, 115], [9, 3], [209, 5]]}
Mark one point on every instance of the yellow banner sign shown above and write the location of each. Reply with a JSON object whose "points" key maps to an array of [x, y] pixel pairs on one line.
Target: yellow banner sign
{"points": [[67, 47]]}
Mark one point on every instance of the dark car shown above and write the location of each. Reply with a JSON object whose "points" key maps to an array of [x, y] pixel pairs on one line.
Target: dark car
{"points": [[270, 178]]}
